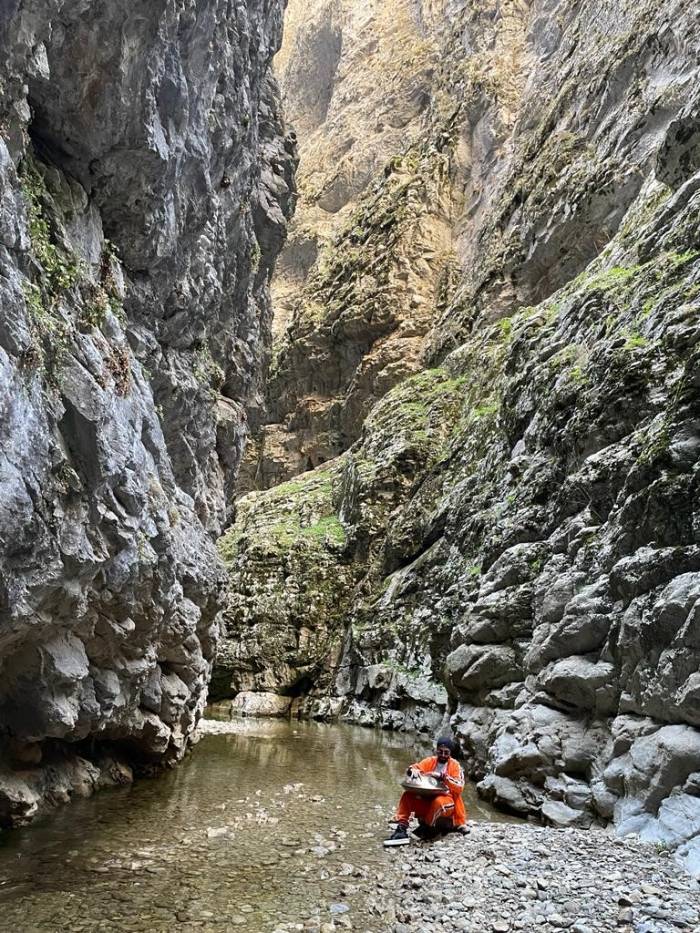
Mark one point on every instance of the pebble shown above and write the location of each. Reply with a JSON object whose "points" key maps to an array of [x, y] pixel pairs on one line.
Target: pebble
{"points": [[502, 879]]}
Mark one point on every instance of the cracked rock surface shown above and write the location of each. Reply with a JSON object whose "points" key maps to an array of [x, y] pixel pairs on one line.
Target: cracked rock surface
{"points": [[145, 179]]}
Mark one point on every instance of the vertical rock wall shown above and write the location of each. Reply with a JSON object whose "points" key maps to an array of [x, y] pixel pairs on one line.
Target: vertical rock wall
{"points": [[145, 180], [371, 241]]}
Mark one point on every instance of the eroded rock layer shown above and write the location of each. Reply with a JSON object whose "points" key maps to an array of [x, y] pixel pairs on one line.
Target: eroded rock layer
{"points": [[510, 537], [145, 178]]}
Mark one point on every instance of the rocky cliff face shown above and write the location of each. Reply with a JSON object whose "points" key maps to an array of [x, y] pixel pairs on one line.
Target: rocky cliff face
{"points": [[509, 538], [364, 260], [145, 179]]}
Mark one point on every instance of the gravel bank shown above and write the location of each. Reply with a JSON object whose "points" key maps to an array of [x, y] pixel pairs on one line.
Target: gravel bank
{"points": [[523, 877]]}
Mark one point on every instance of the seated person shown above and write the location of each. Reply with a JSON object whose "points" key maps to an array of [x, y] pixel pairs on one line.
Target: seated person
{"points": [[440, 814]]}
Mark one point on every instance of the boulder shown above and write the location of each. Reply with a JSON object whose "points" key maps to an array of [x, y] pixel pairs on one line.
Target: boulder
{"points": [[248, 703], [654, 765], [581, 683], [515, 796], [557, 813], [473, 668]]}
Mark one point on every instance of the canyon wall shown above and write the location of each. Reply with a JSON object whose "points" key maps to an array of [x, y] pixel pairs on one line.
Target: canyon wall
{"points": [[492, 366], [356, 272], [145, 181]]}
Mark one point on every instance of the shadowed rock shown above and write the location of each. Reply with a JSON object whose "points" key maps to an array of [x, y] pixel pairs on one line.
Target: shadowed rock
{"points": [[145, 178]]}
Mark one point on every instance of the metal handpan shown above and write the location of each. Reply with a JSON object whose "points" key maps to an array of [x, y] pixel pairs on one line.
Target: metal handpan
{"points": [[424, 785]]}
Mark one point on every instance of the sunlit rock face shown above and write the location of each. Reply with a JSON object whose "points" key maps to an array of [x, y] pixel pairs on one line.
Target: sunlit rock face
{"points": [[512, 521], [145, 180], [356, 80]]}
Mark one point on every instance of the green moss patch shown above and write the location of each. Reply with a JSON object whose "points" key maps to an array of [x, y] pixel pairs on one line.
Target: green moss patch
{"points": [[297, 514]]}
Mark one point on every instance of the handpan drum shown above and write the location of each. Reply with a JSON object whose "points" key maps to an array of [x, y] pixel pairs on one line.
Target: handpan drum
{"points": [[423, 784]]}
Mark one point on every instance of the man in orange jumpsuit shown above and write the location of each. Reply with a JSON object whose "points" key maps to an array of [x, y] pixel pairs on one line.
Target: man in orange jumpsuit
{"points": [[443, 813]]}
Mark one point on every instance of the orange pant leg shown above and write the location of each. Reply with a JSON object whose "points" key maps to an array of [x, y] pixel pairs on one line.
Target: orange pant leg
{"points": [[412, 803], [460, 817], [440, 808]]}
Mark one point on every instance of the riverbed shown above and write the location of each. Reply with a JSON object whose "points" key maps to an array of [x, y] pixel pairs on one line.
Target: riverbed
{"points": [[265, 825]]}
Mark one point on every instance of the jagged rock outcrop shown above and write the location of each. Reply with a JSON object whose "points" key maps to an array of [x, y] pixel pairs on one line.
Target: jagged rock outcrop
{"points": [[541, 564], [145, 179]]}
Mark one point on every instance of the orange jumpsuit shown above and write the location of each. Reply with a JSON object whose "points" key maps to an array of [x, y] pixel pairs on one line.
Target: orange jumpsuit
{"points": [[431, 809]]}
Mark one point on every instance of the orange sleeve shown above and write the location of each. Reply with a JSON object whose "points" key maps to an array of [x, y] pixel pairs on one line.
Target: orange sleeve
{"points": [[426, 765], [455, 779]]}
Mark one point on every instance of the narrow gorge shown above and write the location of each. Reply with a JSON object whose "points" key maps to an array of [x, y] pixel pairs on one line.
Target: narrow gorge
{"points": [[350, 372], [472, 499]]}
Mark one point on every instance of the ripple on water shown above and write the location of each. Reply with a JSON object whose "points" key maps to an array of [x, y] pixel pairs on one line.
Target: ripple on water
{"points": [[266, 825]]}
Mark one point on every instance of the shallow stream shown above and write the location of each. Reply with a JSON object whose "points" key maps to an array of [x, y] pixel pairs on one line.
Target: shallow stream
{"points": [[265, 826]]}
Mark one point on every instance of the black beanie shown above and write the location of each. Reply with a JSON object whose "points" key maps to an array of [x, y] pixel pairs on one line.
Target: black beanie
{"points": [[443, 740]]}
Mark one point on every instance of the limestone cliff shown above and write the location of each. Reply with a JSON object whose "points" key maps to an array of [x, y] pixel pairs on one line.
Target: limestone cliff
{"points": [[144, 182], [371, 241], [509, 537]]}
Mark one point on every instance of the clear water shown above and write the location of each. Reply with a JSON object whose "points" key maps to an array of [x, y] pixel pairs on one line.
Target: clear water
{"points": [[271, 825]]}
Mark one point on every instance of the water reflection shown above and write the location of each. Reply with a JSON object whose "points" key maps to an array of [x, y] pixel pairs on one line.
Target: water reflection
{"points": [[258, 828]]}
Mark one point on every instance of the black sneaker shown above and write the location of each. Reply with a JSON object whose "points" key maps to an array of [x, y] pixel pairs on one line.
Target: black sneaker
{"points": [[398, 838], [424, 832]]}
